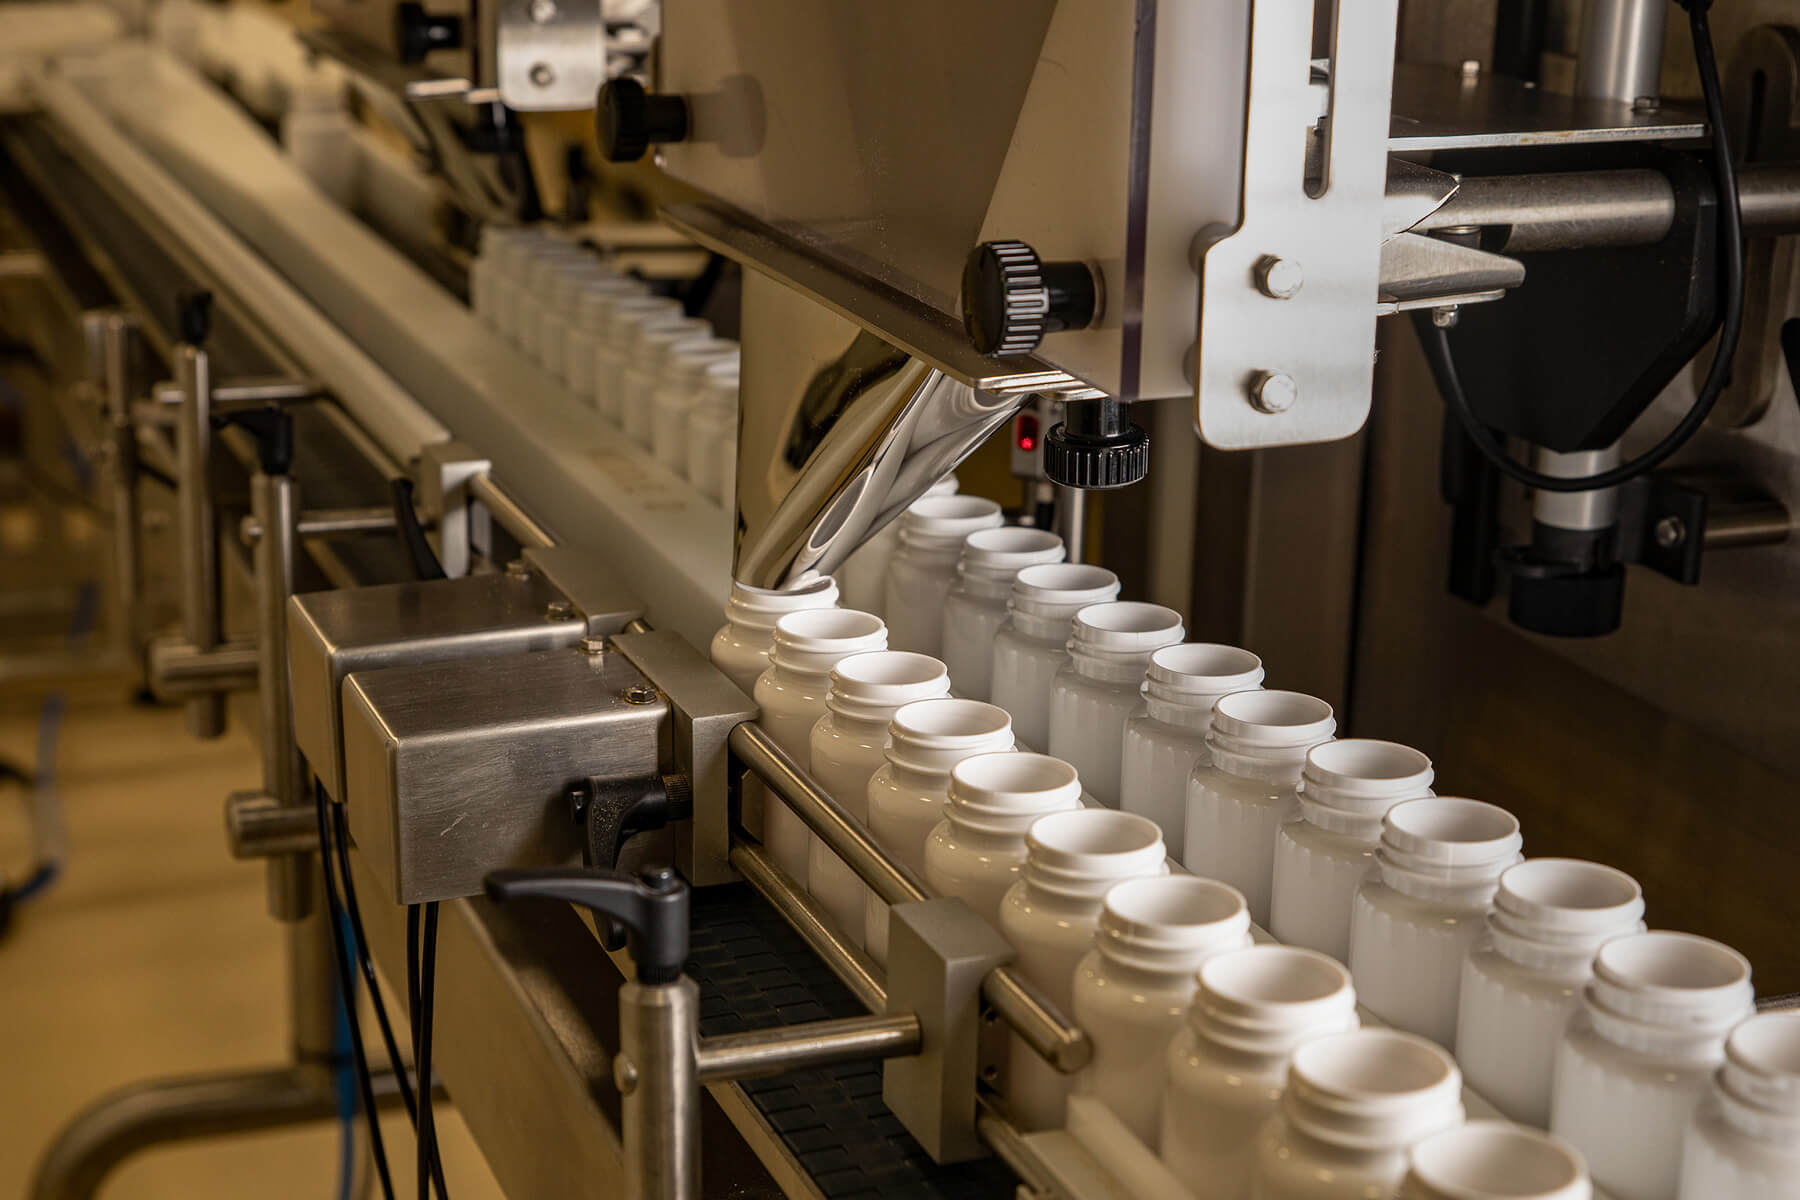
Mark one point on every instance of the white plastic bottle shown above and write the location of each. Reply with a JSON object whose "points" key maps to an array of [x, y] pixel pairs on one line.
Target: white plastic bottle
{"points": [[591, 311], [1072, 859], [906, 794], [1346, 787], [1495, 1160], [1639, 1056], [613, 346], [1098, 691], [791, 695], [1164, 743], [672, 404], [1524, 975], [741, 647], [1240, 796], [921, 572], [1227, 1068], [976, 606], [712, 436], [865, 574], [1744, 1140], [848, 745], [1033, 644], [977, 851], [1423, 906], [568, 290], [1132, 991], [651, 344], [1355, 1103]]}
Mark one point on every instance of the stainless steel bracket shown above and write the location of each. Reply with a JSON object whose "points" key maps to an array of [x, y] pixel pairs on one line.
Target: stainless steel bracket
{"points": [[549, 54]]}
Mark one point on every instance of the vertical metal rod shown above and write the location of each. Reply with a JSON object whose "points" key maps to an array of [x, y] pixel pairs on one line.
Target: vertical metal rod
{"points": [[275, 506], [118, 349], [1621, 50], [1071, 519], [311, 963], [200, 605], [658, 1076]]}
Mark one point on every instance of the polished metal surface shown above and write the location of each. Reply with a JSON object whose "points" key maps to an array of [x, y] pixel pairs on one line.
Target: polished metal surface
{"points": [[604, 601], [1023, 1005], [455, 769], [1621, 50], [839, 431], [257, 826], [1427, 272], [854, 968], [704, 707], [660, 1083], [812, 1044], [939, 951], [1322, 337], [201, 620], [1576, 510], [274, 502], [332, 634], [1440, 108], [178, 671], [549, 54]]}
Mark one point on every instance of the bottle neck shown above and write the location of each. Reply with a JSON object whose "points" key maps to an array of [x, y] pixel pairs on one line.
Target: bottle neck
{"points": [[1051, 628], [1387, 1123], [1679, 1024], [1270, 1032], [1122, 669], [1190, 717], [989, 588], [1541, 945], [1754, 1103], [1462, 885], [1280, 765], [1082, 890], [1355, 809], [926, 761], [1161, 957]]}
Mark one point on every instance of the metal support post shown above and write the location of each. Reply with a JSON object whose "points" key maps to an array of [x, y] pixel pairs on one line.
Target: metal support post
{"points": [[201, 618], [274, 502]]}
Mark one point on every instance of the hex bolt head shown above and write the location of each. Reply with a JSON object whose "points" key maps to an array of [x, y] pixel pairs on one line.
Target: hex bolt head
{"points": [[518, 568], [1273, 392], [542, 75], [639, 693], [1670, 532], [1279, 278], [1446, 316], [542, 12], [595, 645], [558, 610]]}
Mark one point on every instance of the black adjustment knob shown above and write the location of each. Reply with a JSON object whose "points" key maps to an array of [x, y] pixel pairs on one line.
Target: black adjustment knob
{"points": [[1011, 298], [194, 316], [417, 32], [629, 120], [1094, 447]]}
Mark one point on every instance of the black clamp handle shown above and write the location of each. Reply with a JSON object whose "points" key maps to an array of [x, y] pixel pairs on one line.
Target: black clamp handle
{"points": [[652, 906], [611, 811], [273, 428]]}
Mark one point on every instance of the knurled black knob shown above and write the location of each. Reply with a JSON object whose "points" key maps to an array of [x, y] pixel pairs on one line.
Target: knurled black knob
{"points": [[1096, 463], [418, 33], [1011, 298], [629, 120]]}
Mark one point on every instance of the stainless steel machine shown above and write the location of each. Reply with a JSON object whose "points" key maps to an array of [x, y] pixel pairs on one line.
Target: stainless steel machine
{"points": [[1374, 335]]}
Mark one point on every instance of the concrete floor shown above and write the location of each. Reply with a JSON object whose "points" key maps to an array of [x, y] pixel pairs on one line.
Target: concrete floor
{"points": [[153, 956]]}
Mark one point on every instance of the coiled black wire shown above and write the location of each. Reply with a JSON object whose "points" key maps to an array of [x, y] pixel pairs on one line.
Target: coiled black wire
{"points": [[1436, 343]]}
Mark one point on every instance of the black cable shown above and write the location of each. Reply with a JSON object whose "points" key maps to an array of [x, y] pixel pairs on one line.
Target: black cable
{"points": [[428, 1147], [412, 534], [347, 993], [1436, 343]]}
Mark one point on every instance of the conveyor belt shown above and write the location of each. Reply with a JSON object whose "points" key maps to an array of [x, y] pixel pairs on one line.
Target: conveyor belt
{"points": [[754, 972]]}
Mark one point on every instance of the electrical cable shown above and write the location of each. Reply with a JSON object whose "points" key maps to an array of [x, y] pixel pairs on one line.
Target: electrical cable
{"points": [[347, 994], [1436, 342], [428, 1147], [412, 534], [341, 849]]}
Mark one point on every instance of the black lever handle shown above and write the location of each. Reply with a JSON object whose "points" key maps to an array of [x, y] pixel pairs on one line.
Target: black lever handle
{"points": [[653, 906], [612, 811]]}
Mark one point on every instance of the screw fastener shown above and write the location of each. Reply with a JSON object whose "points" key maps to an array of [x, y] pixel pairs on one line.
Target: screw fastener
{"points": [[558, 610], [639, 693], [1670, 532], [542, 75], [1273, 392], [1279, 278], [542, 12], [518, 568]]}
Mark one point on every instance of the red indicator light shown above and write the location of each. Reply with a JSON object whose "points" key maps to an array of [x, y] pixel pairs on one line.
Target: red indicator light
{"points": [[1027, 429]]}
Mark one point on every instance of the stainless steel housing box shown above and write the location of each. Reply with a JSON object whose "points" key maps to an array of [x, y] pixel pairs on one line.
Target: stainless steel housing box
{"points": [[332, 635], [455, 769]]}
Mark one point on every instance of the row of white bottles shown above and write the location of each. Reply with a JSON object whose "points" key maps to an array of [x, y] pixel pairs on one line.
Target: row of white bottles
{"points": [[1032, 647], [636, 358], [976, 605], [1100, 688], [923, 569]]}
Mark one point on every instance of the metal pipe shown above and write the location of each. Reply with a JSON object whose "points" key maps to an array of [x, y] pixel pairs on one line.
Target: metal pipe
{"points": [[813, 1044], [201, 620], [1621, 50], [275, 505], [842, 833], [852, 967], [1071, 518], [504, 509], [1573, 210], [1003, 1138], [1760, 523], [257, 826], [163, 1112], [660, 1089], [178, 670], [327, 522], [1033, 1016]]}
